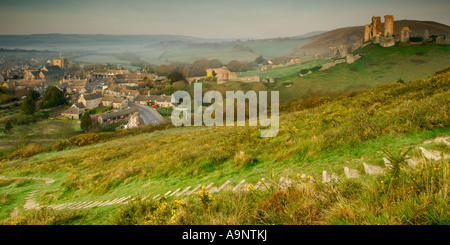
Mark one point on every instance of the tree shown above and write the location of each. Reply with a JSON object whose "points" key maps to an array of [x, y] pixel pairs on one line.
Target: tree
{"points": [[8, 127], [29, 106], [34, 94], [86, 121], [260, 60], [234, 66], [175, 76], [52, 97]]}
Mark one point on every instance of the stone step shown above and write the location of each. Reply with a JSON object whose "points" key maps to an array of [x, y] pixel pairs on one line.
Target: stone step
{"points": [[224, 186], [194, 190], [351, 173], [411, 162], [175, 192], [110, 202], [326, 178], [261, 185], [239, 186], [387, 163], [429, 155], [371, 169], [209, 186], [85, 205], [92, 204], [183, 192]]}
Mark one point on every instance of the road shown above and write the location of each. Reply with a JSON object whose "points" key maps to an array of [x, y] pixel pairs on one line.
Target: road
{"points": [[149, 115]]}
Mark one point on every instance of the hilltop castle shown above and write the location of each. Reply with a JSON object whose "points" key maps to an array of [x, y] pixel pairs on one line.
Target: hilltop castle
{"points": [[373, 32]]}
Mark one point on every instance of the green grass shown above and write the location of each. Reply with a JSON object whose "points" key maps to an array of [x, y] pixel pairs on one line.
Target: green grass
{"points": [[286, 71], [377, 66], [318, 134]]}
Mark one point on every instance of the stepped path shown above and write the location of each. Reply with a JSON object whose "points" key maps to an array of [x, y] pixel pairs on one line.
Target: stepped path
{"points": [[228, 185]]}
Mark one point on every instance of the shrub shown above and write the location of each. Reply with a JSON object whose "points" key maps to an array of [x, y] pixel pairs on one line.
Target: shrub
{"points": [[316, 68], [24, 119], [46, 216], [61, 145], [79, 140], [416, 39], [84, 139], [304, 71], [26, 151]]}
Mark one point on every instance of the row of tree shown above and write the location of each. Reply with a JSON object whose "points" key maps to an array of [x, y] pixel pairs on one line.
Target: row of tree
{"points": [[52, 97], [174, 71]]}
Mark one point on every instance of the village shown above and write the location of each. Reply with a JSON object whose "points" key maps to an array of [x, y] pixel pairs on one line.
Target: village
{"points": [[119, 92]]}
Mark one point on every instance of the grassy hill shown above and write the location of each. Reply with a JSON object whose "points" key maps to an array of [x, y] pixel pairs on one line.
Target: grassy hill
{"points": [[377, 66], [318, 134], [349, 35]]}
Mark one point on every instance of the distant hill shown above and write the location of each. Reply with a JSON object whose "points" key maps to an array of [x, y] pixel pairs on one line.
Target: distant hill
{"points": [[310, 34], [350, 35]]}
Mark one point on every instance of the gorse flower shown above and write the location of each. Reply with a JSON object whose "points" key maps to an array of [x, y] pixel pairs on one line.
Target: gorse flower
{"points": [[204, 197]]}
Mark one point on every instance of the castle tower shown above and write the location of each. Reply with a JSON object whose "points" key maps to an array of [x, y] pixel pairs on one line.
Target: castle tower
{"points": [[405, 34], [367, 32], [426, 35], [388, 25], [376, 26]]}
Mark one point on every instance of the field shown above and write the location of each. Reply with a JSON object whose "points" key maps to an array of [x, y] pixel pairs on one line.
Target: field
{"points": [[376, 67], [287, 71], [326, 133]]}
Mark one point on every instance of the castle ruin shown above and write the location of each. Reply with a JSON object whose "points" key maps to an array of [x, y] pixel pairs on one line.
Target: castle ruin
{"points": [[405, 34], [388, 25], [372, 32]]}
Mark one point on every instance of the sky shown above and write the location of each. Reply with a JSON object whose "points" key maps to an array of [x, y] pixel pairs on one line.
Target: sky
{"points": [[207, 18]]}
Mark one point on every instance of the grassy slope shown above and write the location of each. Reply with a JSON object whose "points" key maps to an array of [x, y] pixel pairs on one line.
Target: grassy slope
{"points": [[287, 71], [377, 66], [345, 131]]}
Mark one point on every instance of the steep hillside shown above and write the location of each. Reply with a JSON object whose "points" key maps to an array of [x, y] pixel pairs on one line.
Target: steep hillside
{"points": [[327, 133], [349, 35]]}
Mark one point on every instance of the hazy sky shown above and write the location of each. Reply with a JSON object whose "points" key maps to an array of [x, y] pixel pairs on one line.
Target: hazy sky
{"points": [[206, 18]]}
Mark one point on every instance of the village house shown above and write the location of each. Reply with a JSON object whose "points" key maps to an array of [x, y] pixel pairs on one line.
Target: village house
{"points": [[76, 111], [107, 73], [52, 73], [118, 91], [38, 86], [73, 86], [159, 100], [48, 73], [116, 115], [90, 101], [143, 100], [114, 102]]}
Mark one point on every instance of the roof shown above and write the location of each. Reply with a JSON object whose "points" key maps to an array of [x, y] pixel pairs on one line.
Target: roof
{"points": [[142, 98], [92, 96], [53, 72], [79, 105], [73, 110], [117, 113], [161, 98]]}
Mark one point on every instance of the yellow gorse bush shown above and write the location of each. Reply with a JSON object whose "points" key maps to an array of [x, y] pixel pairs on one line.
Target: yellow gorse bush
{"points": [[204, 197], [165, 213]]}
